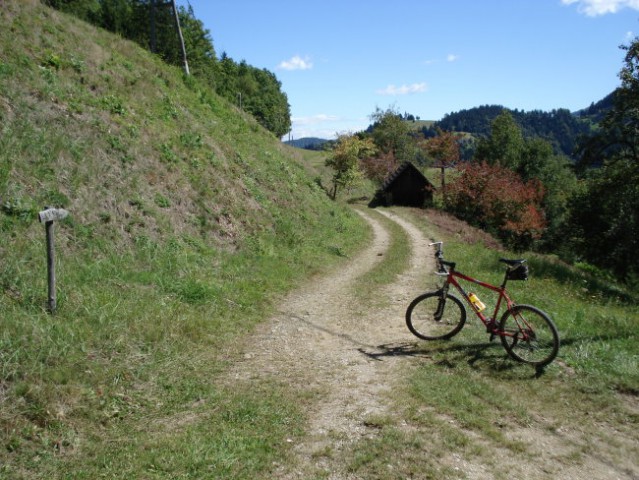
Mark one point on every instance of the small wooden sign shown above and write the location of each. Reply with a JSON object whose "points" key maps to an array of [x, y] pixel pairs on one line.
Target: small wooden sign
{"points": [[48, 216], [51, 214]]}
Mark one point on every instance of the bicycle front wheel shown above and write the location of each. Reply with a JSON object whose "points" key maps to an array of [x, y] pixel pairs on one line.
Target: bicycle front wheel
{"points": [[529, 335], [433, 317]]}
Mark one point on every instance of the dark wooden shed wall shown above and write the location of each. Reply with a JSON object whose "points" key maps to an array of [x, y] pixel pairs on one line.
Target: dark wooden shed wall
{"points": [[407, 186]]}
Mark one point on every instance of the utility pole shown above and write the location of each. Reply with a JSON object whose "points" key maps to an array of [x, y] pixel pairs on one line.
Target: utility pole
{"points": [[178, 29]]}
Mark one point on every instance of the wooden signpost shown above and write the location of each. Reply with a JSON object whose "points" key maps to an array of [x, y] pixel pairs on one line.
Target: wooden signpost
{"points": [[48, 216]]}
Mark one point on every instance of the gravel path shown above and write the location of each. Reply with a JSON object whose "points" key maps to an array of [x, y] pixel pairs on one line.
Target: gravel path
{"points": [[322, 340]]}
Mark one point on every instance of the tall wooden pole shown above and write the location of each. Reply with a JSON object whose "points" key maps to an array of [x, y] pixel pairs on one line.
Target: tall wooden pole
{"points": [[179, 31]]}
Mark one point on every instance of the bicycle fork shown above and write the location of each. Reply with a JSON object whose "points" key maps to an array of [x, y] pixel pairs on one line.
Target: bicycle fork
{"points": [[441, 304]]}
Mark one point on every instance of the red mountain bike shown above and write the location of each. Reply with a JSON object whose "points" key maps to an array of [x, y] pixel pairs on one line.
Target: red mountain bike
{"points": [[527, 333]]}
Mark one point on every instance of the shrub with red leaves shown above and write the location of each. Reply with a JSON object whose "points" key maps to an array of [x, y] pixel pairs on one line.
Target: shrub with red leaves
{"points": [[497, 199]]}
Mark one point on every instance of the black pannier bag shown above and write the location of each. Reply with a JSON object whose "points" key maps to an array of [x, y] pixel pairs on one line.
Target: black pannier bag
{"points": [[519, 273]]}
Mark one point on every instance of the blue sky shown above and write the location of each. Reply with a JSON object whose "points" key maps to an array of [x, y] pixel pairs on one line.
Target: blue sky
{"points": [[340, 60]]}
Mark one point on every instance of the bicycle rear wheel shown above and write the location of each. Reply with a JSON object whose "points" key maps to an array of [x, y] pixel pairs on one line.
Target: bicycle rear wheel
{"points": [[530, 336], [431, 317]]}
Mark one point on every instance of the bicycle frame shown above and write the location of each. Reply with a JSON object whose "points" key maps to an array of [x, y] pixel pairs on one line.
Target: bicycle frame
{"points": [[527, 333], [489, 322]]}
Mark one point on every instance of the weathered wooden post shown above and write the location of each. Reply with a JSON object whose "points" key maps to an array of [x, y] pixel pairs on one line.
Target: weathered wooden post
{"points": [[48, 216]]}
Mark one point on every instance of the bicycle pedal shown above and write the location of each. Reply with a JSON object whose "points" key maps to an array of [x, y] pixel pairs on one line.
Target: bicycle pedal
{"points": [[492, 329]]}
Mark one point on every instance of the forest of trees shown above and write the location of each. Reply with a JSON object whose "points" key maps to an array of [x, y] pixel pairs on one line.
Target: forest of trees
{"points": [[561, 128], [151, 24]]}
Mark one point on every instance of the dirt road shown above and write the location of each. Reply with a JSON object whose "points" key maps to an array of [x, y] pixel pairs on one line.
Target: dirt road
{"points": [[323, 341], [344, 356]]}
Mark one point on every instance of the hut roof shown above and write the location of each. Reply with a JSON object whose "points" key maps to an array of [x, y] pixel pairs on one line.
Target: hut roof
{"points": [[404, 167]]}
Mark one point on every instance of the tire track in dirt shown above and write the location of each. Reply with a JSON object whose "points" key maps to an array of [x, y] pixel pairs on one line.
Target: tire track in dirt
{"points": [[349, 355]]}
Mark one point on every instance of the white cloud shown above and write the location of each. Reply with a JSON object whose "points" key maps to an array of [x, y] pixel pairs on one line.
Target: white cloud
{"points": [[451, 57], [296, 63], [593, 8], [404, 89]]}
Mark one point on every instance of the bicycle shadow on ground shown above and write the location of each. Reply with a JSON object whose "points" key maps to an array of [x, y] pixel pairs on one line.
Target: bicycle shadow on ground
{"points": [[480, 356], [390, 350], [488, 356]]}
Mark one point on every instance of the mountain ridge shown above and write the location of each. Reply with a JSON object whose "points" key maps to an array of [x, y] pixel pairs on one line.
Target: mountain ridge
{"points": [[560, 127]]}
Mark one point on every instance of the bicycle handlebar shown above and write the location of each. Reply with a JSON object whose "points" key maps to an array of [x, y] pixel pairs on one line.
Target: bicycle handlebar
{"points": [[439, 246], [439, 254]]}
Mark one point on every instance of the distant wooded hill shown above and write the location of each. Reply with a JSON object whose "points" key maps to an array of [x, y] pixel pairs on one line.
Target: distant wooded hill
{"points": [[560, 127], [308, 143]]}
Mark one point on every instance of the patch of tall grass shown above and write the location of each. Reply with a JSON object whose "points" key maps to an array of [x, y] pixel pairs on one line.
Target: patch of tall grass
{"points": [[142, 335]]}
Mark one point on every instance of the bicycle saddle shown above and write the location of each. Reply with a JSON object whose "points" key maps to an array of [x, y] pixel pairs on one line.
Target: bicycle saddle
{"points": [[512, 263]]}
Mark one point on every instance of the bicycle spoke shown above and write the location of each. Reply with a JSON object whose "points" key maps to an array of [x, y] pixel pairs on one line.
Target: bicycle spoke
{"points": [[432, 317], [529, 335]]}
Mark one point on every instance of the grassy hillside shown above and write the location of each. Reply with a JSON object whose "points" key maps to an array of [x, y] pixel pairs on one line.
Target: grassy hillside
{"points": [[186, 221]]}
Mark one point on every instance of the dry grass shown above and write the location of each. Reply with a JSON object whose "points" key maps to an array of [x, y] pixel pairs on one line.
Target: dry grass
{"points": [[452, 227]]}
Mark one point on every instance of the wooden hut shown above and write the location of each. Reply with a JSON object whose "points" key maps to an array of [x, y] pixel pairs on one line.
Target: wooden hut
{"points": [[406, 186]]}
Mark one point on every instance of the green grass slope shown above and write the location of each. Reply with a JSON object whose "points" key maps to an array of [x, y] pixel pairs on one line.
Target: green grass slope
{"points": [[186, 221]]}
